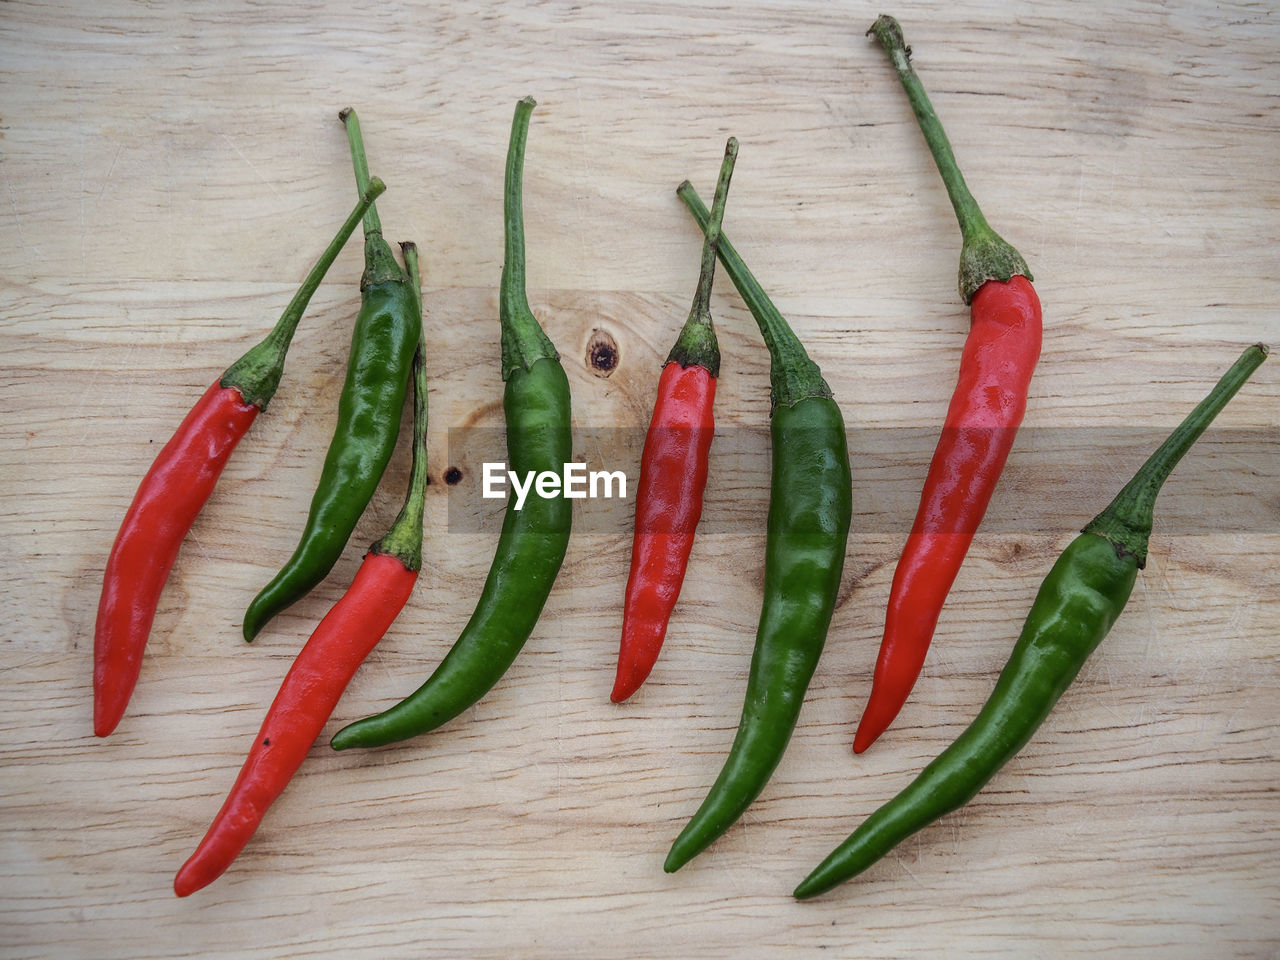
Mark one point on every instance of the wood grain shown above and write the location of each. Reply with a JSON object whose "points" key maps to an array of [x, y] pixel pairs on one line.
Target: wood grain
{"points": [[169, 174]]}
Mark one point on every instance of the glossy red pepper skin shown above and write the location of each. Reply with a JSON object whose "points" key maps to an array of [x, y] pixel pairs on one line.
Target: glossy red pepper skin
{"points": [[673, 475], [307, 697], [986, 409], [175, 490], [163, 510], [320, 673], [673, 468], [999, 357]]}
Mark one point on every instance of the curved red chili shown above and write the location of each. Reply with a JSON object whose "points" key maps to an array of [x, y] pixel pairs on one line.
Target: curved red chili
{"points": [[175, 489], [325, 665], [310, 691], [673, 474], [673, 470], [986, 409]]}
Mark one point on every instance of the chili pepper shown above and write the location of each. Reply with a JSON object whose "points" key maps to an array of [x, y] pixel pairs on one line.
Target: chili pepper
{"points": [[325, 665], [369, 411], [986, 408], [533, 541], [673, 470], [810, 507], [175, 489], [1076, 605]]}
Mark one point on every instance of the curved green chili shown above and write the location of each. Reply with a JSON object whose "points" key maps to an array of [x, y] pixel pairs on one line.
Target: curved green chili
{"points": [[533, 541], [810, 506], [382, 345], [1078, 602]]}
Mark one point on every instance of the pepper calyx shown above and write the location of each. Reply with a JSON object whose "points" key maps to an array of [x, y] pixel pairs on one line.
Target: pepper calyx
{"points": [[380, 264], [255, 376], [789, 385], [988, 256], [1126, 539], [523, 343], [697, 346]]}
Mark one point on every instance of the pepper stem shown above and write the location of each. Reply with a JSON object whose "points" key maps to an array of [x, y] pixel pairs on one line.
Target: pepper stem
{"points": [[696, 345], [257, 374], [404, 540], [1127, 520], [379, 262], [523, 341], [792, 375], [984, 254], [372, 224]]}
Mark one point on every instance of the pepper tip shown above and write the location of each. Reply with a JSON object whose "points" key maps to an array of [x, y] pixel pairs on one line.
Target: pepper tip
{"points": [[105, 719], [253, 622], [184, 884], [864, 737], [625, 684], [682, 851], [804, 890]]}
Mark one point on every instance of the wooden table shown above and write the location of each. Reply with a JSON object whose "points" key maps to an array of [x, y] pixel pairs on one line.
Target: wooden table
{"points": [[171, 171]]}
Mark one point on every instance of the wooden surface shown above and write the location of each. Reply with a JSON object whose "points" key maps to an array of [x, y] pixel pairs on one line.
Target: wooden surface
{"points": [[170, 172]]}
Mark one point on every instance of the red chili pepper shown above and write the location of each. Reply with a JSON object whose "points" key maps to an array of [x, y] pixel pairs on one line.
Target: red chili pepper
{"points": [[175, 489], [310, 691], [325, 665], [673, 471], [986, 408]]}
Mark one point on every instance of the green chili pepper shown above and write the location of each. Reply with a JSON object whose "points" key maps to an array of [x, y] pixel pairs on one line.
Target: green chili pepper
{"points": [[382, 346], [533, 541], [1078, 602], [810, 505]]}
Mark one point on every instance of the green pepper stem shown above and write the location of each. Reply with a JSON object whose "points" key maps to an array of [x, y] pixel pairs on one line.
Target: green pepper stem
{"points": [[257, 374], [696, 345], [1127, 520], [702, 298], [984, 254], [793, 376], [409, 250], [379, 262], [523, 340], [372, 224], [404, 540], [513, 276]]}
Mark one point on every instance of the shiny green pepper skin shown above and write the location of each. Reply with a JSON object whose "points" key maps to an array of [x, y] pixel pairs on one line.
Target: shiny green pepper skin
{"points": [[383, 341], [534, 539], [810, 507], [530, 550], [1075, 608]]}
